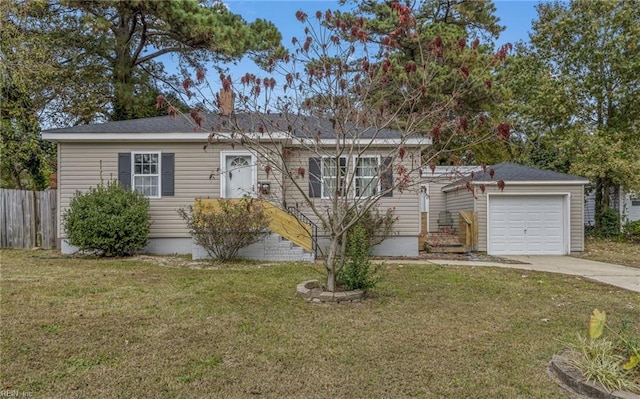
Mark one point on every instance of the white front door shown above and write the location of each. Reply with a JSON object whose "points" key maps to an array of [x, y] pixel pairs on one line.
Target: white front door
{"points": [[238, 176]]}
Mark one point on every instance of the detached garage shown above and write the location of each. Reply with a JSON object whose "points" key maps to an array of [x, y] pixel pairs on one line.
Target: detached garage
{"points": [[535, 212]]}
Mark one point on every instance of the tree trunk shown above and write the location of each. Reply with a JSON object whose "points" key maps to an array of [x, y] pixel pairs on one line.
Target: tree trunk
{"points": [[606, 194], [330, 264], [603, 200], [598, 204], [123, 71]]}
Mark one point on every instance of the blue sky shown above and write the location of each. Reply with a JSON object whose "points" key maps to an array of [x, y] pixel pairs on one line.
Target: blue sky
{"points": [[516, 15]]}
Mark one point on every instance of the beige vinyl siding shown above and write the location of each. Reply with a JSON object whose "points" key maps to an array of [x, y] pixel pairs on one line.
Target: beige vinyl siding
{"points": [[576, 205], [459, 200], [406, 204], [81, 166], [276, 195]]}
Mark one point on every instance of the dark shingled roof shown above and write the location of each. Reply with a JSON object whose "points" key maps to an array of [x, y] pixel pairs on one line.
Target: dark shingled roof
{"points": [[301, 125], [510, 172]]}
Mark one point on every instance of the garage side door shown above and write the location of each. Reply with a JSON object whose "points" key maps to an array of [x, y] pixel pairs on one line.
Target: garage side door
{"points": [[526, 225]]}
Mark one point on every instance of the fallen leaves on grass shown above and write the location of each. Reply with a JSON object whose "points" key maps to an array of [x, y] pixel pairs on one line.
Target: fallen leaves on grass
{"points": [[619, 253]]}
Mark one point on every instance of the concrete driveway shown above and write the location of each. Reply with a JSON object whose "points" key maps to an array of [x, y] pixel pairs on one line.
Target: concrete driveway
{"points": [[620, 276]]}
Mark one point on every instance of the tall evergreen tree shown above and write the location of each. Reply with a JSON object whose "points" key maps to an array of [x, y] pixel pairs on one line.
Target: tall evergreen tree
{"points": [[109, 53], [576, 91]]}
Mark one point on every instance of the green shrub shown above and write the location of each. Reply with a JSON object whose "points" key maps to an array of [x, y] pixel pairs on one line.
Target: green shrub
{"points": [[377, 225], [632, 231], [609, 223], [222, 232], [108, 220], [357, 272]]}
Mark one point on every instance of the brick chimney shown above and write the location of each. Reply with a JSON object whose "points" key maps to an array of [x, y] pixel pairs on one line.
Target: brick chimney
{"points": [[225, 101]]}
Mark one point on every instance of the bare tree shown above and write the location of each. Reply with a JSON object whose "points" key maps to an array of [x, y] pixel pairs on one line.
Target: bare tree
{"points": [[329, 131]]}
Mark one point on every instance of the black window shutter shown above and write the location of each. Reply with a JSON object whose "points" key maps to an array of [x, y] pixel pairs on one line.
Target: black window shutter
{"points": [[386, 178], [124, 169], [315, 178], [168, 166]]}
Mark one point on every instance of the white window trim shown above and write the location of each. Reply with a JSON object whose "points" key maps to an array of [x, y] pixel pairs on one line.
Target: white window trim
{"points": [[134, 174], [350, 173], [355, 176], [223, 172], [322, 174]]}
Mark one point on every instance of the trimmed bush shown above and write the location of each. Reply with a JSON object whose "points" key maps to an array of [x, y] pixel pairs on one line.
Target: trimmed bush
{"points": [[377, 225], [223, 232], [108, 220]]}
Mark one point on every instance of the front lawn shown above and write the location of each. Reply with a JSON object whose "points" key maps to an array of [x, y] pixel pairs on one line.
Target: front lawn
{"points": [[76, 328], [618, 252]]}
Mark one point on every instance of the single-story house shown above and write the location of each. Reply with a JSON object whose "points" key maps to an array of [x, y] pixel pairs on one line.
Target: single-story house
{"points": [[163, 157], [519, 210]]}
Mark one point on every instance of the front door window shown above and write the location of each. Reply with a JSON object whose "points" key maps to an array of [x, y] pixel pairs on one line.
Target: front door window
{"points": [[238, 176]]}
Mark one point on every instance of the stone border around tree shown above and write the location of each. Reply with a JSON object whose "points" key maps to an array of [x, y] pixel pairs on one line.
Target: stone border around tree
{"points": [[311, 291], [572, 380]]}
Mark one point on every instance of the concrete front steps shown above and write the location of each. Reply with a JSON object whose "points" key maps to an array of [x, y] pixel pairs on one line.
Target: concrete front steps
{"points": [[272, 248]]}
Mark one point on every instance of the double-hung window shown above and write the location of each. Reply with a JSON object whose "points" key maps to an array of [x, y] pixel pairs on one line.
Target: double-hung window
{"points": [[367, 176], [367, 181], [330, 176], [146, 173]]}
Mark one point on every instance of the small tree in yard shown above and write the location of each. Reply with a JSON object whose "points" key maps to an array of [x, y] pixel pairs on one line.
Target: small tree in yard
{"points": [[358, 272], [108, 220], [344, 91], [223, 232]]}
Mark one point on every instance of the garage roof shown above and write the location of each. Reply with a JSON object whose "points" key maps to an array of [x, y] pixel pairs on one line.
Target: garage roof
{"points": [[514, 173]]}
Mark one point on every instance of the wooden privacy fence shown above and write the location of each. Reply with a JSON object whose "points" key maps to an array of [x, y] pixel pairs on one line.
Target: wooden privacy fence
{"points": [[28, 219]]}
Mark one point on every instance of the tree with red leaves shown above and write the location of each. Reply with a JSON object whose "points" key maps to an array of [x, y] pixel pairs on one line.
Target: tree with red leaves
{"points": [[324, 97], [451, 30]]}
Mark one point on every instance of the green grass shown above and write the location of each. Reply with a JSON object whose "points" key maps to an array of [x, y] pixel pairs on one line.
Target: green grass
{"points": [[619, 252], [75, 328]]}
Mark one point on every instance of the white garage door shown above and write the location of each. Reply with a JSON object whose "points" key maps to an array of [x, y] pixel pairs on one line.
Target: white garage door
{"points": [[526, 225]]}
